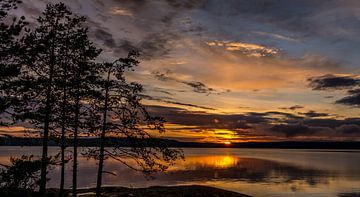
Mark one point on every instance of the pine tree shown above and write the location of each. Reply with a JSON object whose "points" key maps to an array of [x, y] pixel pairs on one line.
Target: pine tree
{"points": [[83, 74], [119, 104], [10, 42], [47, 57]]}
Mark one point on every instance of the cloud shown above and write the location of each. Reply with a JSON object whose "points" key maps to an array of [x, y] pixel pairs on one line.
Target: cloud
{"points": [[105, 37], [327, 82], [122, 11], [313, 114], [196, 86], [348, 129], [277, 36], [204, 120], [185, 4], [353, 99], [294, 107], [271, 125], [291, 130], [249, 49], [199, 87], [170, 101], [333, 82], [153, 46]]}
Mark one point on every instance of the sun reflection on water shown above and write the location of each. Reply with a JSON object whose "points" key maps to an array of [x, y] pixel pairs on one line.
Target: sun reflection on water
{"points": [[219, 162]]}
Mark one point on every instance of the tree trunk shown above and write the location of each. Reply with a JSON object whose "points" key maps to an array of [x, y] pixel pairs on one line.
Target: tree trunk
{"points": [[63, 126], [48, 103], [44, 157], [102, 140], [75, 145], [61, 192]]}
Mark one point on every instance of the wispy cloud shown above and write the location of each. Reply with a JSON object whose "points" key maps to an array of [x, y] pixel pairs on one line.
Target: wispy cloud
{"points": [[196, 86], [277, 36], [249, 49], [121, 11]]}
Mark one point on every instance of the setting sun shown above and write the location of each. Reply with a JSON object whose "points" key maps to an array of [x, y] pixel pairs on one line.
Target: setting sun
{"points": [[227, 143]]}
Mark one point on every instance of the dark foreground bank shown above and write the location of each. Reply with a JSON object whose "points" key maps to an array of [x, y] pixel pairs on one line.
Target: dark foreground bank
{"points": [[156, 191]]}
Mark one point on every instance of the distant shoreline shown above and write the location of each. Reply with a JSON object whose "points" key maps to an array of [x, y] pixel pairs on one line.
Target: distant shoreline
{"points": [[92, 142]]}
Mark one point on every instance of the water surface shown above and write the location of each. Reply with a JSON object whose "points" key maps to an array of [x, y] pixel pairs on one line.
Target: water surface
{"points": [[257, 172]]}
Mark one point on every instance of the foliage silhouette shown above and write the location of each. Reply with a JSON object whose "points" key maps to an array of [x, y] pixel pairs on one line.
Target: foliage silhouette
{"points": [[59, 88], [23, 173], [46, 50], [117, 111], [10, 43]]}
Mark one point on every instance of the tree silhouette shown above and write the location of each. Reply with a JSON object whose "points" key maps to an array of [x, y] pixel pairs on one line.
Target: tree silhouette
{"points": [[83, 74], [51, 80], [23, 173], [49, 52], [118, 104], [10, 43], [76, 71]]}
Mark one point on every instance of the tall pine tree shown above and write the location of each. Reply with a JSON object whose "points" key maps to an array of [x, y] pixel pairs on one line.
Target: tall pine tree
{"points": [[53, 68], [82, 80], [118, 104]]}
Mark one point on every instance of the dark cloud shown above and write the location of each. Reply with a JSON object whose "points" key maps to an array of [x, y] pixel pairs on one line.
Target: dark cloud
{"points": [[295, 107], [331, 124], [125, 46], [105, 37], [170, 101], [277, 115], [275, 124], [158, 20], [291, 15], [196, 86], [313, 113], [333, 82], [204, 120], [199, 87], [234, 122], [154, 45], [353, 99], [291, 130], [164, 91], [185, 4], [339, 82], [163, 76], [348, 129], [188, 105]]}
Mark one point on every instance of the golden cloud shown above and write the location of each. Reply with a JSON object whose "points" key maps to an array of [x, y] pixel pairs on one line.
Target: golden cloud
{"points": [[121, 11], [249, 49]]}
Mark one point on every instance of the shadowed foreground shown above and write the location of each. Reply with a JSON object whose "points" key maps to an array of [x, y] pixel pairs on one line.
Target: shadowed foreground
{"points": [[162, 191], [156, 191]]}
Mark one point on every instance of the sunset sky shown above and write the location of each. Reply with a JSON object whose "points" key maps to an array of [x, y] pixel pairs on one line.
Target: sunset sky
{"points": [[236, 70]]}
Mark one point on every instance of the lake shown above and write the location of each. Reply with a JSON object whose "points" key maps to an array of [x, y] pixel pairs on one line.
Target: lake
{"points": [[256, 172]]}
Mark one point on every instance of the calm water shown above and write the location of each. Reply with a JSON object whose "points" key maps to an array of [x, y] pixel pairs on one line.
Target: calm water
{"points": [[257, 172]]}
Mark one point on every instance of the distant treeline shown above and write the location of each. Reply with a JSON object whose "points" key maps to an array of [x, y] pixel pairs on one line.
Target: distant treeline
{"points": [[125, 142]]}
